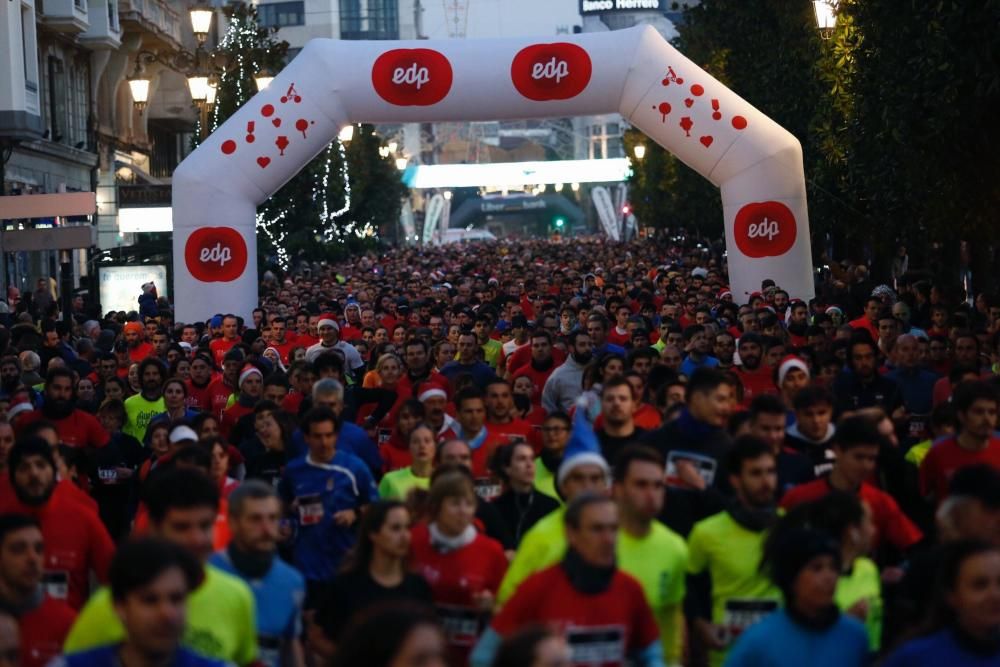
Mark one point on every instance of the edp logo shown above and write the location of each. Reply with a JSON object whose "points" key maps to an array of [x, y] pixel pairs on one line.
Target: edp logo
{"points": [[411, 75], [553, 69], [217, 255]]}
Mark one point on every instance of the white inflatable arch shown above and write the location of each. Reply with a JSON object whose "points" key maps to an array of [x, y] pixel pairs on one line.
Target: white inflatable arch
{"points": [[755, 162]]}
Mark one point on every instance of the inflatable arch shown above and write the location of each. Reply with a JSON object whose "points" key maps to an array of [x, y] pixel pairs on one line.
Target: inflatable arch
{"points": [[756, 163]]}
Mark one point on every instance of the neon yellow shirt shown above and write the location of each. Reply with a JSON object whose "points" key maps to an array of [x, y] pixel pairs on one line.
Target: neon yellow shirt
{"points": [[917, 452], [659, 561], [731, 554], [138, 413], [220, 621], [398, 483], [491, 352], [863, 583], [542, 546], [545, 480]]}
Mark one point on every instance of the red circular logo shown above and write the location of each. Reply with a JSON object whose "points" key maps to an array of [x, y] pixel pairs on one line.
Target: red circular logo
{"points": [[765, 229], [216, 254], [412, 77], [558, 71]]}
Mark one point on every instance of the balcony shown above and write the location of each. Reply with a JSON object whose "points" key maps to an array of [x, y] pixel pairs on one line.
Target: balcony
{"points": [[69, 16], [105, 31], [152, 16]]}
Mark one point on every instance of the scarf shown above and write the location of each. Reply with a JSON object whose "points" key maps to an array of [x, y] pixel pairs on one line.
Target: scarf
{"points": [[754, 519], [584, 577], [250, 564]]}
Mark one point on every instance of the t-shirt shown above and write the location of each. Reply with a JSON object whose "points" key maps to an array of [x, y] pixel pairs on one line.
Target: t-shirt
{"points": [[318, 491], [398, 483], [79, 429], [107, 656], [138, 413], [731, 554], [891, 524], [353, 592], [220, 620], [939, 649], [43, 631], [456, 577], [545, 479], [491, 352], [542, 546], [863, 583], [219, 347], [278, 597], [603, 629], [945, 457], [777, 641], [659, 562]]}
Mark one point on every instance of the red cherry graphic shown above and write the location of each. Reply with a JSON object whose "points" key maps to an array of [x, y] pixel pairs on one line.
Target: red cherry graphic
{"points": [[664, 110], [706, 141], [276, 122], [688, 102], [739, 122], [263, 162], [697, 90], [686, 125], [228, 146], [267, 110]]}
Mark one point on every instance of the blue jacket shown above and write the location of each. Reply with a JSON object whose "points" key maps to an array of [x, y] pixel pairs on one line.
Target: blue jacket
{"points": [[147, 306], [352, 439], [917, 387], [778, 641], [940, 648]]}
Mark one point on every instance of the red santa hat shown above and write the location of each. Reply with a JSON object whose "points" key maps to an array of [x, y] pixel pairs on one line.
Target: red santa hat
{"points": [[787, 364], [249, 370]]}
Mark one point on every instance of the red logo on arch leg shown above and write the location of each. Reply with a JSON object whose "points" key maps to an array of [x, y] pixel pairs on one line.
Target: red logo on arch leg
{"points": [[412, 77], [558, 71], [765, 229], [216, 254]]}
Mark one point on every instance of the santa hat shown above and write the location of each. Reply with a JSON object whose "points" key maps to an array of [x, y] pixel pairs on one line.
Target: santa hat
{"points": [[582, 448], [787, 364], [724, 293], [18, 408], [327, 320], [249, 370], [431, 393]]}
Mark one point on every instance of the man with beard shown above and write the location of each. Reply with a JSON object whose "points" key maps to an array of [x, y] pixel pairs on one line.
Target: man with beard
{"points": [[468, 362], [420, 375], [76, 542], [537, 360], [43, 621], [10, 374], [727, 592], [555, 435], [141, 408], [225, 386], [566, 382], [618, 406], [138, 349], [755, 377], [278, 588], [199, 398], [861, 385], [76, 428], [501, 419], [230, 337]]}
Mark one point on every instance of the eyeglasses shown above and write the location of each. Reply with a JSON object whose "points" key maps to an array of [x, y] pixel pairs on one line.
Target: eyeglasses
{"points": [[554, 429]]}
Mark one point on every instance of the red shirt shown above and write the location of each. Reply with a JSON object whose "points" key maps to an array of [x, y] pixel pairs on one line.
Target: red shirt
{"points": [[79, 429], [199, 398], [538, 378], [602, 629], [139, 352], [218, 395], [945, 457], [482, 453], [292, 402], [43, 631], [755, 383], [76, 544], [522, 357], [864, 323], [455, 578], [219, 347], [891, 524], [230, 416], [395, 453]]}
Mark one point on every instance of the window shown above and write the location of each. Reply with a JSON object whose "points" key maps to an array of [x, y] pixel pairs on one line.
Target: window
{"points": [[77, 104], [369, 19], [56, 99], [113, 15], [281, 14], [30, 54], [81, 5]]}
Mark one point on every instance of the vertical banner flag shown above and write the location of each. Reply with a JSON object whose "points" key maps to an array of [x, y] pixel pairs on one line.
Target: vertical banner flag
{"points": [[435, 209], [606, 211]]}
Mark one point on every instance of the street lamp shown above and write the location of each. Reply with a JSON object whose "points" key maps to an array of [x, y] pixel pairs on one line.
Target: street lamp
{"points": [[575, 187], [346, 134], [198, 84], [402, 163], [201, 22], [263, 79], [640, 151], [138, 85], [826, 17]]}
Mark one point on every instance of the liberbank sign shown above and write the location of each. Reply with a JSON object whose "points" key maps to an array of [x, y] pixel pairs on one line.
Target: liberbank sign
{"points": [[604, 6]]}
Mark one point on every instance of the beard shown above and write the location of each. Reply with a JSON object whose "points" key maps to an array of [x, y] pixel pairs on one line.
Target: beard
{"points": [[34, 500], [58, 409], [750, 361], [551, 459], [583, 359]]}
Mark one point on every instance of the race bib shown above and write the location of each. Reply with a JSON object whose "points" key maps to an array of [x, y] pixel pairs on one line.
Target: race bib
{"points": [[597, 646], [107, 475], [461, 624], [384, 435], [704, 465], [56, 583], [740, 614], [310, 510], [269, 652], [487, 488], [917, 426]]}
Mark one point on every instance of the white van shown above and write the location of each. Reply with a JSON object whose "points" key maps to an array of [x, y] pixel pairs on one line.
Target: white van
{"points": [[459, 235]]}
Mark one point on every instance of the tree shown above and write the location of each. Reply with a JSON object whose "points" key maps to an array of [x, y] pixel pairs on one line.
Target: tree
{"points": [[335, 204]]}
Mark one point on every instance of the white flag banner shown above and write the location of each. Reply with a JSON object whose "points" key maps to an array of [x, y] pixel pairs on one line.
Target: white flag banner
{"points": [[435, 209], [606, 211], [406, 221]]}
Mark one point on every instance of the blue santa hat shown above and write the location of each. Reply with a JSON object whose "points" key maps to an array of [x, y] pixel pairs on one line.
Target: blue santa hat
{"points": [[582, 448]]}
